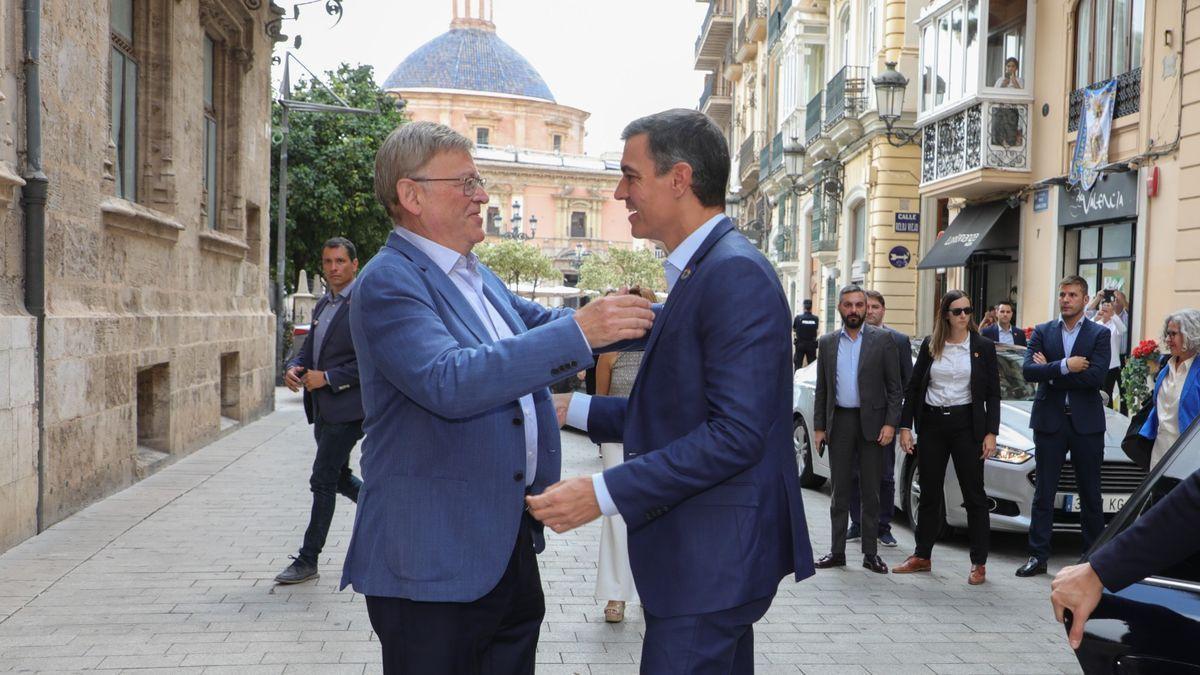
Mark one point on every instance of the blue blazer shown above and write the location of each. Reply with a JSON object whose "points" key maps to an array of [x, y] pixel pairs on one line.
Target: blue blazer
{"points": [[710, 489], [1189, 402], [443, 461], [1087, 407], [992, 333], [341, 401]]}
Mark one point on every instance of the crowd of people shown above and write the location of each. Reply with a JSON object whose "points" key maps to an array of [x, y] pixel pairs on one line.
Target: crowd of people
{"points": [[444, 375]]}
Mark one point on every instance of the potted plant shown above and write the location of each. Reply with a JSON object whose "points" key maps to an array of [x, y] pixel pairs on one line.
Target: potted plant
{"points": [[1137, 377]]}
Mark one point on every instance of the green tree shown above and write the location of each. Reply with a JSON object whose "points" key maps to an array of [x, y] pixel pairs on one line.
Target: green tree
{"points": [[331, 169], [515, 262], [622, 268]]}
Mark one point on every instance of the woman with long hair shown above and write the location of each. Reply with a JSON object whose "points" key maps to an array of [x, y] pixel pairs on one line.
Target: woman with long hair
{"points": [[953, 401]]}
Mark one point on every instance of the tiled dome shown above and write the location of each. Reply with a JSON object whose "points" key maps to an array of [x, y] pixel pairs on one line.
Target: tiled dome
{"points": [[469, 59]]}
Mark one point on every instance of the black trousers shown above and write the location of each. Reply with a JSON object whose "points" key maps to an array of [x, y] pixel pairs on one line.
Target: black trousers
{"points": [[806, 353], [851, 452], [331, 476], [496, 634], [946, 437]]}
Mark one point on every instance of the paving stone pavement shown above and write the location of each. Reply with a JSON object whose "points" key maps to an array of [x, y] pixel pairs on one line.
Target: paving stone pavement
{"points": [[175, 575]]}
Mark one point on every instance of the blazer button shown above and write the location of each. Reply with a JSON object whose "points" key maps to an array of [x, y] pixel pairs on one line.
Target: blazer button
{"points": [[517, 421], [519, 476]]}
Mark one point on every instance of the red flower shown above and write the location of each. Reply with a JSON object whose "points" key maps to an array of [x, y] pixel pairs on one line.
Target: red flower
{"points": [[1029, 332], [1145, 349]]}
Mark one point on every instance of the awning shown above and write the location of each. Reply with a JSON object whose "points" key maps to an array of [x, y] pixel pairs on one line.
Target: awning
{"points": [[973, 230]]}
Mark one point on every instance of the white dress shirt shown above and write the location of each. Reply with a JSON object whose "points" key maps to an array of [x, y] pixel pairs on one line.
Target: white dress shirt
{"points": [[1116, 334], [673, 267], [950, 376], [1006, 336], [463, 272], [1167, 405]]}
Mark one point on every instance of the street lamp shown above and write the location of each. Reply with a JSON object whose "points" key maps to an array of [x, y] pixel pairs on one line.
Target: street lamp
{"points": [[580, 253], [516, 233], [890, 87]]}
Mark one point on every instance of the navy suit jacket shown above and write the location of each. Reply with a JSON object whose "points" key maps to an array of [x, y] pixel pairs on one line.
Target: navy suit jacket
{"points": [[341, 401], [992, 333], [1087, 407], [443, 461], [1157, 541], [710, 488]]}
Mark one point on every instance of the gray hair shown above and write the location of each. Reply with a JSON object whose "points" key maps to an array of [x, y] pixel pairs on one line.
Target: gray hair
{"points": [[1189, 328], [690, 137], [848, 289], [406, 150]]}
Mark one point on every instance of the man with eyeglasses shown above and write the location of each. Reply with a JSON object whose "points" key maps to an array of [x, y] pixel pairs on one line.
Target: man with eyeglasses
{"points": [[1068, 359], [460, 425]]}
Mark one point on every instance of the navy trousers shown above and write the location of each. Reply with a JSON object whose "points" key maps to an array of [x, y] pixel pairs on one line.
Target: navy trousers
{"points": [[1087, 456], [717, 643], [331, 476]]}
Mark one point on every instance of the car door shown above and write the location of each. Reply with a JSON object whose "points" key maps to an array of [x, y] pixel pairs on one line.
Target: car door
{"points": [[1152, 626]]}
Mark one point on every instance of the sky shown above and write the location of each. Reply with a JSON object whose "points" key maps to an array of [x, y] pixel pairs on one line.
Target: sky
{"points": [[617, 59]]}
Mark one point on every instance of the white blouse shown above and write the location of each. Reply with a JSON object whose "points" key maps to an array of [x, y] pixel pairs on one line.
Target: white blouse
{"points": [[1167, 405], [950, 376]]}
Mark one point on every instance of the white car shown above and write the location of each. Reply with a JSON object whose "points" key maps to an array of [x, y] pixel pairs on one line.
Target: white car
{"points": [[1008, 477]]}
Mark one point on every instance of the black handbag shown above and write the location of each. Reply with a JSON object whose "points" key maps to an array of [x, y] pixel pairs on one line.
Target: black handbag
{"points": [[1135, 445]]}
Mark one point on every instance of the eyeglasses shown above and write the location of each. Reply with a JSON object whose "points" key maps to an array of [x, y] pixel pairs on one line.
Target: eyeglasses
{"points": [[1171, 334], [469, 184], [959, 311]]}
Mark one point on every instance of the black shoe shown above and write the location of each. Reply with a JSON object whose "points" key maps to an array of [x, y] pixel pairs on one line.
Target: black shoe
{"points": [[875, 564], [855, 532], [830, 560], [299, 571], [1032, 567]]}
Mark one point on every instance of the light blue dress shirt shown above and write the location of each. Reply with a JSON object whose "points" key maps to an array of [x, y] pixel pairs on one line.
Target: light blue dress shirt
{"points": [[1068, 338], [673, 267], [321, 323], [846, 391], [464, 272]]}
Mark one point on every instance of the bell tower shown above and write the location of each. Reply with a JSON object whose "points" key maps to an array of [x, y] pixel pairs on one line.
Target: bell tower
{"points": [[473, 14]]}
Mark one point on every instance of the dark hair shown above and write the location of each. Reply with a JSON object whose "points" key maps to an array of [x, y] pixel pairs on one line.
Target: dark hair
{"points": [[848, 289], [808, 304], [1010, 304], [691, 137], [1074, 280], [941, 325], [342, 242], [1012, 59], [877, 297]]}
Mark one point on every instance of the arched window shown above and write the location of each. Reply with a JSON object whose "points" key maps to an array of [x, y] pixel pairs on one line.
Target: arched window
{"points": [[1108, 39]]}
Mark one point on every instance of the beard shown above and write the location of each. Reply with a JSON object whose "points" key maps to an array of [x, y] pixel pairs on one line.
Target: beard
{"points": [[852, 320]]}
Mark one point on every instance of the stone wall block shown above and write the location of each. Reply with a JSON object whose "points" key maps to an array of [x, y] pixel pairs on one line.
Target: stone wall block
{"points": [[118, 380], [9, 443], [22, 386]]}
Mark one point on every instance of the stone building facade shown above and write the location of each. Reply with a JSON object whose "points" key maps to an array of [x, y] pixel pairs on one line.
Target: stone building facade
{"points": [[157, 332]]}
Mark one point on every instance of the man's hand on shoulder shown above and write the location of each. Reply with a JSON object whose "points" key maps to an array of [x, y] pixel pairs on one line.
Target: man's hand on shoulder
{"points": [[615, 318], [565, 505]]}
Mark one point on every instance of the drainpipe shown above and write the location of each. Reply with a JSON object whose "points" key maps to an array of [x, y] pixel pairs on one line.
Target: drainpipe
{"points": [[33, 203]]}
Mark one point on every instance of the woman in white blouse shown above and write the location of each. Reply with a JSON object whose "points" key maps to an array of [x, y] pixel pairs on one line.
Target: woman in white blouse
{"points": [[953, 401], [1177, 390]]}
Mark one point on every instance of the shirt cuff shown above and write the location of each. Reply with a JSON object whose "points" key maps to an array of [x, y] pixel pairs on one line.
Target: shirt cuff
{"points": [[577, 411], [582, 335], [607, 507], [329, 381], [1062, 366]]}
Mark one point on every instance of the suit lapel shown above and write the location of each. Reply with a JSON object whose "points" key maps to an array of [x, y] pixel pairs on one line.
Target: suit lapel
{"points": [[445, 287], [494, 296], [1078, 344], [337, 318], [1054, 343]]}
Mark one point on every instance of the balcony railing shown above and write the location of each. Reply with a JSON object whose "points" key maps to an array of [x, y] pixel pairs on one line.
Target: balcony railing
{"points": [[774, 28], [748, 155], [715, 32], [714, 86], [1129, 98], [991, 134], [777, 152], [812, 118], [845, 95]]}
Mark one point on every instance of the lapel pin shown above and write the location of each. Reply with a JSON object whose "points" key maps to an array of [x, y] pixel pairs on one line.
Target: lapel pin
{"points": [[976, 354], [687, 272]]}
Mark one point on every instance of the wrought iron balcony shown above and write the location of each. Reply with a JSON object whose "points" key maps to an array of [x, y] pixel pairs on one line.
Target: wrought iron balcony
{"points": [[774, 28], [748, 156], [1129, 98], [845, 95], [751, 29], [770, 159], [717, 99], [812, 118], [715, 34], [987, 134]]}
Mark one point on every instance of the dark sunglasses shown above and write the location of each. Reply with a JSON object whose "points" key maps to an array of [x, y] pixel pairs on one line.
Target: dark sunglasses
{"points": [[959, 311]]}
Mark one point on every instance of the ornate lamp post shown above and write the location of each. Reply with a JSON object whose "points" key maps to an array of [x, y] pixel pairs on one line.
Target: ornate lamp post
{"points": [[515, 232], [890, 87]]}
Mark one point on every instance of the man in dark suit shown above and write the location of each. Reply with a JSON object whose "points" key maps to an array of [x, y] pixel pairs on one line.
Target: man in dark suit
{"points": [[1003, 331], [804, 326], [1156, 542], [1068, 359], [876, 310], [709, 488], [327, 369], [857, 407]]}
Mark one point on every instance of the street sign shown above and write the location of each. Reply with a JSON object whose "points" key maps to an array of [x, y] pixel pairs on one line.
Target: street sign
{"points": [[899, 256], [1041, 200], [908, 222]]}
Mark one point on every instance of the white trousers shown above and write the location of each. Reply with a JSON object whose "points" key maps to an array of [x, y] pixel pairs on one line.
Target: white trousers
{"points": [[614, 580]]}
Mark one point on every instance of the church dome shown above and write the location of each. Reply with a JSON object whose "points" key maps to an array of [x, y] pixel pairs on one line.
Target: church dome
{"points": [[469, 57]]}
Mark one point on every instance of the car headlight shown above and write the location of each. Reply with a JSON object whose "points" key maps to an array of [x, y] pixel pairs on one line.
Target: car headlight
{"points": [[1011, 455]]}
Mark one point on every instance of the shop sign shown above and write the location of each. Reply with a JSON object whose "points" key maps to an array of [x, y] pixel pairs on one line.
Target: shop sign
{"points": [[1114, 197], [899, 256], [908, 222]]}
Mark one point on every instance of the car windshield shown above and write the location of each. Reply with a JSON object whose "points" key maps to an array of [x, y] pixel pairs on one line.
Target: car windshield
{"points": [[1013, 386]]}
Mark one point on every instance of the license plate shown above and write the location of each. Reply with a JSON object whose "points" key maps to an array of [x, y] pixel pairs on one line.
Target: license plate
{"points": [[1112, 503]]}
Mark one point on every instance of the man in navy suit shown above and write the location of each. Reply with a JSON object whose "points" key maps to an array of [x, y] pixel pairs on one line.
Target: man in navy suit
{"points": [[1068, 359], [327, 369], [1003, 331], [1157, 541], [460, 426], [709, 489]]}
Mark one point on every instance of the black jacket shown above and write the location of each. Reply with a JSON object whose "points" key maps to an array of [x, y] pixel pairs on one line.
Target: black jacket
{"points": [[341, 401], [985, 388]]}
